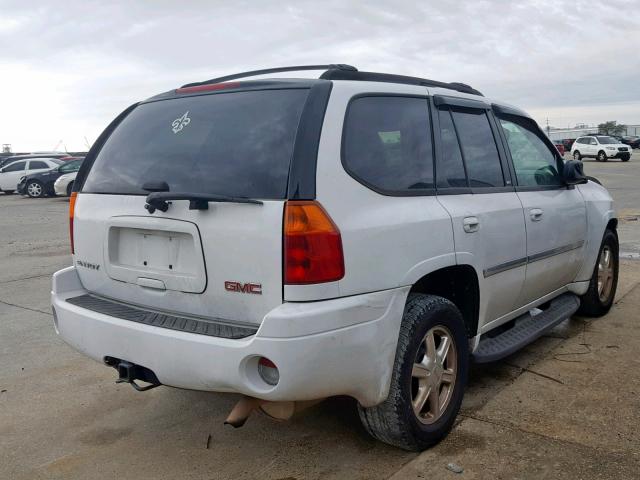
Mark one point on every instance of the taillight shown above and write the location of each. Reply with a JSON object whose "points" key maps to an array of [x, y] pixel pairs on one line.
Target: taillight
{"points": [[72, 207], [312, 245], [208, 87]]}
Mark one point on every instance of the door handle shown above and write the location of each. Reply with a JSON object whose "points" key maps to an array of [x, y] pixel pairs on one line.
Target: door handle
{"points": [[470, 224], [536, 214]]}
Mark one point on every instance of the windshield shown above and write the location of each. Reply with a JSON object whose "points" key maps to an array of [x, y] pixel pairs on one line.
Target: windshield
{"points": [[606, 140], [237, 144]]}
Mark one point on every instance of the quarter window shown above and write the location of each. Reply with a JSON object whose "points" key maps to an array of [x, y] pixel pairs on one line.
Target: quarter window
{"points": [[534, 162], [387, 143], [479, 148]]}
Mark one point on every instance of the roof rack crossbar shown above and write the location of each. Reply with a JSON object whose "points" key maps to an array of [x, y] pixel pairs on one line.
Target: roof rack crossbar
{"points": [[253, 73], [337, 74]]}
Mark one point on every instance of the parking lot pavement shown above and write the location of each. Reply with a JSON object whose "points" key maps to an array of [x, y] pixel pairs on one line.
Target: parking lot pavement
{"points": [[565, 407]]}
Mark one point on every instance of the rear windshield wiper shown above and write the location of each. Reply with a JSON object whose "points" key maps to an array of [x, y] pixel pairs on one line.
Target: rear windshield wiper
{"points": [[197, 201]]}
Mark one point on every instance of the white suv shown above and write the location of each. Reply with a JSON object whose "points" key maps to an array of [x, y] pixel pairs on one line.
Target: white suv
{"points": [[359, 234], [600, 147]]}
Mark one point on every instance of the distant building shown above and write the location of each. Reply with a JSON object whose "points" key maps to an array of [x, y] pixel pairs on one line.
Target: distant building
{"points": [[582, 129]]}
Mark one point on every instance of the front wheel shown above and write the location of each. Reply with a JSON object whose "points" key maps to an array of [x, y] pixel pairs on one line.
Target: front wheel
{"points": [[428, 379], [35, 189], [604, 280]]}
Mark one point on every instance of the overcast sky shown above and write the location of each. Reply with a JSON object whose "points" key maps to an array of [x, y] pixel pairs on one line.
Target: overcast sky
{"points": [[68, 67]]}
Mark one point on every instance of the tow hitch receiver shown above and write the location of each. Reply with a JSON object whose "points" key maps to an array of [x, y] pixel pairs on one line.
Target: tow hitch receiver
{"points": [[129, 372]]}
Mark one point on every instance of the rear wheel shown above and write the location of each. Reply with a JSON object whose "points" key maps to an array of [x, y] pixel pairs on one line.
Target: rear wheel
{"points": [[35, 189], [604, 280], [577, 156], [602, 157], [428, 379]]}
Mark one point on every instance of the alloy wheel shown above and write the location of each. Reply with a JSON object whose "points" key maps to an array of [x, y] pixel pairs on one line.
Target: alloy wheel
{"points": [[605, 274], [34, 189], [433, 376]]}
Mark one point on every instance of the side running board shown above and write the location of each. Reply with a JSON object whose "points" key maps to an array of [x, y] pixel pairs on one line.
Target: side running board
{"points": [[526, 329]]}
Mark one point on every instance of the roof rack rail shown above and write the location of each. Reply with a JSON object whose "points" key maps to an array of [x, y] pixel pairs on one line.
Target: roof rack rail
{"points": [[253, 73], [337, 74], [341, 71]]}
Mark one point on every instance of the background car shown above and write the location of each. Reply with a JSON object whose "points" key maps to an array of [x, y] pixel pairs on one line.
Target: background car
{"points": [[568, 143], [632, 140], [64, 184], [560, 147], [7, 160], [600, 147], [11, 173], [40, 184]]}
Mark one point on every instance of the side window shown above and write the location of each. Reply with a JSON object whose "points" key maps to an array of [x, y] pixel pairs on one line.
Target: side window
{"points": [[387, 143], [534, 162], [449, 167], [34, 164], [479, 148], [16, 167], [593, 141]]}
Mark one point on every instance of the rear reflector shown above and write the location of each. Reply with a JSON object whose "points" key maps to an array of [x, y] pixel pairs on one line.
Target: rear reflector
{"points": [[268, 371], [72, 207], [208, 88], [312, 245]]}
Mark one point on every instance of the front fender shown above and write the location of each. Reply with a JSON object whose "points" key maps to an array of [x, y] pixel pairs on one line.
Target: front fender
{"points": [[600, 212]]}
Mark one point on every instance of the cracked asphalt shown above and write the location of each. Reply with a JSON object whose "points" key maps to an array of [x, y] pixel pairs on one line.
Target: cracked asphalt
{"points": [[567, 406]]}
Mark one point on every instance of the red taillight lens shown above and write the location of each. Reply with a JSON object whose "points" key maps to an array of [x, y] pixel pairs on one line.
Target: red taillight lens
{"points": [[312, 245], [72, 207], [207, 88]]}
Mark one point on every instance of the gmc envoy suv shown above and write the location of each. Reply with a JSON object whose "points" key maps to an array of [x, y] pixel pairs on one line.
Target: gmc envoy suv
{"points": [[358, 234]]}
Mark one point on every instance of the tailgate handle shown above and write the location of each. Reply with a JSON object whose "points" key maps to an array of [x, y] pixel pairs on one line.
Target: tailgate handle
{"points": [[151, 283]]}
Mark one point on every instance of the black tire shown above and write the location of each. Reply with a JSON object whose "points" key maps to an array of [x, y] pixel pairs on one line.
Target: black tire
{"points": [[602, 156], [625, 158], [34, 189], [577, 156], [8, 192], [394, 420], [69, 189], [591, 303]]}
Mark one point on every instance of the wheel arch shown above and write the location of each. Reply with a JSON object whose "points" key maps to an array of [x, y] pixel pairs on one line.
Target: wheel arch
{"points": [[460, 285]]}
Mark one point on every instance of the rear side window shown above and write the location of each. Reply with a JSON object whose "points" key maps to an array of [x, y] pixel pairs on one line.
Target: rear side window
{"points": [[479, 148], [237, 144], [533, 160], [37, 164], [387, 143]]}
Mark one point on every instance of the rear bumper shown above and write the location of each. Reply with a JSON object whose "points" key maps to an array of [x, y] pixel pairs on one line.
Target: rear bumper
{"points": [[343, 346]]}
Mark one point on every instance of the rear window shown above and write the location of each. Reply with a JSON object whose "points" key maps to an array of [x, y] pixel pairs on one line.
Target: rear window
{"points": [[237, 144]]}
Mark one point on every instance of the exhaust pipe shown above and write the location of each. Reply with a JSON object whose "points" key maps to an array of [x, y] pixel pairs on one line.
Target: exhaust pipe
{"points": [[275, 410]]}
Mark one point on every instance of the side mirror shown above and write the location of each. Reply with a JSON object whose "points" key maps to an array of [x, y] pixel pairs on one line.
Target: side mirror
{"points": [[573, 173]]}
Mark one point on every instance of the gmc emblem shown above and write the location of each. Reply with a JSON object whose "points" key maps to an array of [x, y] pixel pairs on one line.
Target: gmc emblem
{"points": [[254, 288]]}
